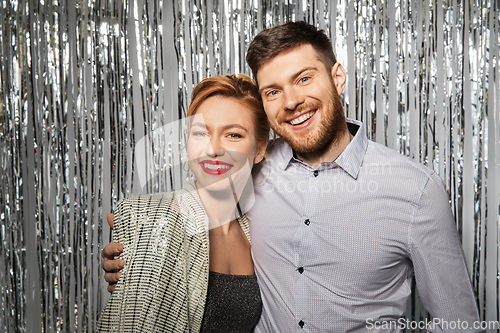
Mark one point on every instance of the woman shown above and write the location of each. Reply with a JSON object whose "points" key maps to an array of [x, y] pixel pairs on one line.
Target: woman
{"points": [[188, 266]]}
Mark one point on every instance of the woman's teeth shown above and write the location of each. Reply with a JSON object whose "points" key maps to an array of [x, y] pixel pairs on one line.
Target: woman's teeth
{"points": [[216, 166]]}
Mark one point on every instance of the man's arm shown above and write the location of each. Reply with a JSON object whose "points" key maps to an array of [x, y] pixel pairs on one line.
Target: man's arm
{"points": [[111, 265], [439, 264]]}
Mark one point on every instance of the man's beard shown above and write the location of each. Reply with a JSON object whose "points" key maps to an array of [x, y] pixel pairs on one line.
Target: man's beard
{"points": [[325, 135]]}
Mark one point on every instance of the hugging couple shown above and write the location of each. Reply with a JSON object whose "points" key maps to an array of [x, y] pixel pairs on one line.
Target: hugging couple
{"points": [[244, 248]]}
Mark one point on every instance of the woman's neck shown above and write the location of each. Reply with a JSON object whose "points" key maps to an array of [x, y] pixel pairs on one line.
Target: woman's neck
{"points": [[220, 206]]}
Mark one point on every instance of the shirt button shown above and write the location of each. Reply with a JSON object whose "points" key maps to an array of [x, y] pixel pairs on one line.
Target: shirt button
{"points": [[301, 270], [301, 324], [315, 173], [307, 222]]}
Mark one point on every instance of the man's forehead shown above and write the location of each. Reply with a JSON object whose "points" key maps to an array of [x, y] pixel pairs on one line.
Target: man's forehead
{"points": [[303, 48], [283, 52]]}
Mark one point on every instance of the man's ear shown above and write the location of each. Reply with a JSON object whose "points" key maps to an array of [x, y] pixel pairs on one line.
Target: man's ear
{"points": [[261, 152], [339, 77]]}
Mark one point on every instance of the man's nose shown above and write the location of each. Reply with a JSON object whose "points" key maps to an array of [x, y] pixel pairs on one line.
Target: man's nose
{"points": [[292, 99]]}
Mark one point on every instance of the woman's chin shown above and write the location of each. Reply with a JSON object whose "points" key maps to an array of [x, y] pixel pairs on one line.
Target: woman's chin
{"points": [[233, 181], [213, 185]]}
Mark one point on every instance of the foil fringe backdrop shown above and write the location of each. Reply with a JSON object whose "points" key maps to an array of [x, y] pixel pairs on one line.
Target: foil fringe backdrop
{"points": [[82, 82]]}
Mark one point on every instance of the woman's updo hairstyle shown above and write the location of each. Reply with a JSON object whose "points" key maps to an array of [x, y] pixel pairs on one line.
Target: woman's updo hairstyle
{"points": [[239, 87]]}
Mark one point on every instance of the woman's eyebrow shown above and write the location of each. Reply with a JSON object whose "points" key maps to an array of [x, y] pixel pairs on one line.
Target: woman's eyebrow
{"points": [[199, 124], [226, 127]]}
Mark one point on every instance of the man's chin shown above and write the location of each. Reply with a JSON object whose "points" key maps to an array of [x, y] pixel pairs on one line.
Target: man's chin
{"points": [[305, 149], [304, 144]]}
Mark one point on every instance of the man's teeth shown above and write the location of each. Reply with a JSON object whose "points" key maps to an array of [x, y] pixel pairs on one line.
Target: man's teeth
{"points": [[216, 167], [302, 118]]}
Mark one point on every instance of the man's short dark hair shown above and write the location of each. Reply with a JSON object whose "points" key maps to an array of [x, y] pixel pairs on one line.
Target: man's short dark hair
{"points": [[270, 42]]}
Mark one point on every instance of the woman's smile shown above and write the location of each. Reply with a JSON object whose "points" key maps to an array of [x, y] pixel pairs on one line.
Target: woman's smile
{"points": [[216, 167]]}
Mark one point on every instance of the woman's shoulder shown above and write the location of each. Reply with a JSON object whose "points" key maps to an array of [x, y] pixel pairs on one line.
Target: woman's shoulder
{"points": [[147, 201], [183, 204]]}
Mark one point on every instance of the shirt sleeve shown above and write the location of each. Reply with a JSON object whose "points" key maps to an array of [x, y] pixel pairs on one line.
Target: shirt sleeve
{"points": [[439, 263]]}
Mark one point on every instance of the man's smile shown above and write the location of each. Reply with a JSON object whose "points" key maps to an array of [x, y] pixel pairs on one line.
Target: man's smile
{"points": [[302, 119], [299, 119]]}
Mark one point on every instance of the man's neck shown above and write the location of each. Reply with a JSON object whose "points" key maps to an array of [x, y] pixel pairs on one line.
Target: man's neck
{"points": [[330, 154]]}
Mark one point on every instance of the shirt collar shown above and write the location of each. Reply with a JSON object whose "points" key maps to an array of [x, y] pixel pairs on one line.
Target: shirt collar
{"points": [[349, 160]]}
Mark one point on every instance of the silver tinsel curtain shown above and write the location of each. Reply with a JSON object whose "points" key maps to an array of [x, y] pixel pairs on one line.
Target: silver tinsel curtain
{"points": [[82, 82]]}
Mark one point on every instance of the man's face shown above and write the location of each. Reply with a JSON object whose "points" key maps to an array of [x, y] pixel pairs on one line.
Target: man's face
{"points": [[302, 100]]}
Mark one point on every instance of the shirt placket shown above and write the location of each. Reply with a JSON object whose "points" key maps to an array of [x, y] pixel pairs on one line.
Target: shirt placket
{"points": [[305, 224]]}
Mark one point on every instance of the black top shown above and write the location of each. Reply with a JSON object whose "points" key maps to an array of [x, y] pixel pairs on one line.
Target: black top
{"points": [[233, 304]]}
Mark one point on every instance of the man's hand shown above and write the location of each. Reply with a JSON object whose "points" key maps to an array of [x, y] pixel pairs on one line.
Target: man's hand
{"points": [[110, 265]]}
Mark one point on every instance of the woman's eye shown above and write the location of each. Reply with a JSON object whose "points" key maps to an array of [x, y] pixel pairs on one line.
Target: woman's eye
{"points": [[200, 134], [234, 135]]}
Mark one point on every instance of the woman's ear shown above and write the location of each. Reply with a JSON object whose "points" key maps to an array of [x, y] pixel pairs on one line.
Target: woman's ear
{"points": [[261, 152]]}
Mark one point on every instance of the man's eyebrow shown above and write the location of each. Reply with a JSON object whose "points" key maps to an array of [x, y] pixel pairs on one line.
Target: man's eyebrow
{"points": [[293, 77]]}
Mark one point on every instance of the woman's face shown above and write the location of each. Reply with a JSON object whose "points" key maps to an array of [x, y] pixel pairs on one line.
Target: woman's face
{"points": [[222, 141]]}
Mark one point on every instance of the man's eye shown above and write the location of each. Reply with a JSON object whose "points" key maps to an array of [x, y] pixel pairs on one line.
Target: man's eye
{"points": [[304, 79], [272, 93]]}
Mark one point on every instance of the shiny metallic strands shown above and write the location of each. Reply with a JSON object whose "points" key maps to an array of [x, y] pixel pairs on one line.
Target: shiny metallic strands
{"points": [[83, 82]]}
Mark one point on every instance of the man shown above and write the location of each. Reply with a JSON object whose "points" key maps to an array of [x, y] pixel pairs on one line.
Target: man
{"points": [[341, 224]]}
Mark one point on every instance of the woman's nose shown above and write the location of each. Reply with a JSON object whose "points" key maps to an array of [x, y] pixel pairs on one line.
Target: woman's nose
{"points": [[215, 148]]}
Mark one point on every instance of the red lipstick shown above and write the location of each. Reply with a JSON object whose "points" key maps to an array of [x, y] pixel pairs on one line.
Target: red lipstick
{"points": [[215, 168]]}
